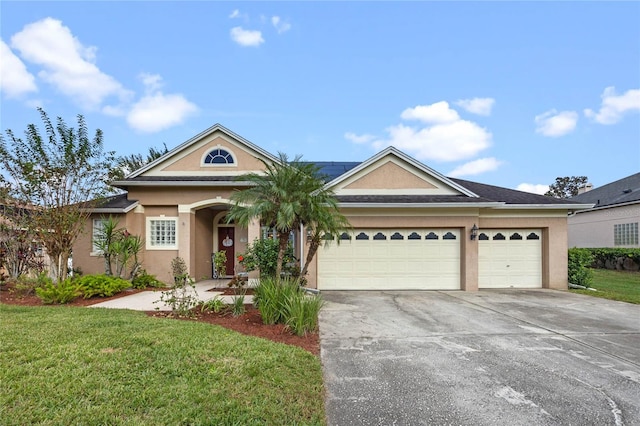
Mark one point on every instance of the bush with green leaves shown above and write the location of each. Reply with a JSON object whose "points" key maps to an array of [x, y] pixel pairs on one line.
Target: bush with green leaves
{"points": [[263, 255], [215, 305], [610, 256], [182, 297], [237, 305], [580, 260], [26, 285], [144, 280], [285, 302], [101, 285], [63, 292]]}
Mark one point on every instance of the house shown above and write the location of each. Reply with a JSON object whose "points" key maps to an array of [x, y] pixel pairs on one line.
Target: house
{"points": [[413, 227], [613, 219]]}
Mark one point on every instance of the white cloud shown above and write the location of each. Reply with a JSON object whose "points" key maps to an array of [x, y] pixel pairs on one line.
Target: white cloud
{"points": [[156, 111], [443, 137], [15, 80], [234, 14], [67, 64], [434, 113], [480, 106], [533, 188], [244, 37], [358, 138], [553, 123], [453, 141], [280, 25], [476, 167], [615, 106]]}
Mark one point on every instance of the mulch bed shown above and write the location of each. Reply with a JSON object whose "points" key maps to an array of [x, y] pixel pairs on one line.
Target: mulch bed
{"points": [[249, 323]]}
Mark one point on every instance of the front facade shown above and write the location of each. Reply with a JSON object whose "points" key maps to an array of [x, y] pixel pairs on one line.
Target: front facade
{"points": [[613, 219], [413, 228]]}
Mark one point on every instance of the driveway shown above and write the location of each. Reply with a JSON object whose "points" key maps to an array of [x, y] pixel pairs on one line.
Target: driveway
{"points": [[499, 357]]}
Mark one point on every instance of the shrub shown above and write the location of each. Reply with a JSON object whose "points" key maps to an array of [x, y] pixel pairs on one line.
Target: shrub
{"points": [[64, 292], [215, 305], [263, 255], [26, 286], [301, 313], [144, 280], [182, 297], [609, 256], [579, 262], [101, 285], [285, 302], [237, 306]]}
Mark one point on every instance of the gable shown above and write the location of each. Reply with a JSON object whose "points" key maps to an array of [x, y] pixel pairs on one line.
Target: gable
{"points": [[214, 152], [391, 174]]}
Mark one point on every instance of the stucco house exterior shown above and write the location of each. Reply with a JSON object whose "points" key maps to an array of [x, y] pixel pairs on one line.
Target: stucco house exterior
{"points": [[613, 219], [413, 228]]}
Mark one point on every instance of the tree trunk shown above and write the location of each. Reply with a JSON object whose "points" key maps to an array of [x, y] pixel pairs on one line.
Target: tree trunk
{"points": [[313, 249], [283, 241]]}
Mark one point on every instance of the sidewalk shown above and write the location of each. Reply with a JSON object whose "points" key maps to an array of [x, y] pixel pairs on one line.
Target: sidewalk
{"points": [[144, 301]]}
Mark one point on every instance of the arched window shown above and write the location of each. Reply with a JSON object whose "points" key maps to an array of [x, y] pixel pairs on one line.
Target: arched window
{"points": [[219, 156]]}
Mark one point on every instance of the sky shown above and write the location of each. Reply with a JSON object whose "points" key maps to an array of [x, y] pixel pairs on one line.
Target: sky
{"points": [[512, 94]]}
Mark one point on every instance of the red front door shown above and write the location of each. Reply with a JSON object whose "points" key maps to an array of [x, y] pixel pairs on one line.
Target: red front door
{"points": [[226, 243]]}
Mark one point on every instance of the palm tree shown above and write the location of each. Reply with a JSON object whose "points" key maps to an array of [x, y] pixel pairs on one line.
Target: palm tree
{"points": [[288, 194]]}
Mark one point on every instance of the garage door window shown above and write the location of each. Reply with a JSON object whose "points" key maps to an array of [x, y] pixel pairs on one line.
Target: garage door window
{"points": [[533, 236], [362, 236]]}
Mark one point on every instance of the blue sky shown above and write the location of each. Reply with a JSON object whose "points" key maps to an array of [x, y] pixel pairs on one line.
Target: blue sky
{"points": [[508, 93]]}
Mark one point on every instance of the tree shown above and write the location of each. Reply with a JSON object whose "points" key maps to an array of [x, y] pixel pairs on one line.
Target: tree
{"points": [[566, 187], [61, 176], [127, 164], [288, 194]]}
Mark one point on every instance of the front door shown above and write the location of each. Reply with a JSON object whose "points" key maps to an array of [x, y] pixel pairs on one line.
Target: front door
{"points": [[226, 243]]}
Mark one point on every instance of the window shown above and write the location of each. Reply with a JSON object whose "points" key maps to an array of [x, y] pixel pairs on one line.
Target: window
{"points": [[162, 233], [362, 236], [219, 156], [625, 234], [97, 237]]}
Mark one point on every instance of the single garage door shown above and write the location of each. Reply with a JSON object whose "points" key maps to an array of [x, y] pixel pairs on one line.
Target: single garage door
{"points": [[391, 259], [510, 258]]}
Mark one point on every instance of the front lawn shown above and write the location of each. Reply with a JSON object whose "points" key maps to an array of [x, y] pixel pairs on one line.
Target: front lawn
{"points": [[66, 365], [615, 285]]}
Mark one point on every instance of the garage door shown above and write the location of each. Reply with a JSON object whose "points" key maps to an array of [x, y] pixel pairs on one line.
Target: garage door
{"points": [[510, 258], [385, 259]]}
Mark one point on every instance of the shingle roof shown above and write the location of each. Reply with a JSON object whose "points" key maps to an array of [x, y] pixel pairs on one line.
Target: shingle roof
{"points": [[509, 196], [625, 190], [116, 202]]}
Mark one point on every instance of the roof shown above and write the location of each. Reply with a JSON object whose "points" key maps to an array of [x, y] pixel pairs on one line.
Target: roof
{"points": [[623, 191], [511, 196], [115, 204], [332, 169]]}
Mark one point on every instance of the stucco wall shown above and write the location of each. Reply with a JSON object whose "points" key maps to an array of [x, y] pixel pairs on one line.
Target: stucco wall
{"points": [[595, 228]]}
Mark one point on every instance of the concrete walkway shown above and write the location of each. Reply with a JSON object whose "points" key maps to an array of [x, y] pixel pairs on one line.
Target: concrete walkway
{"points": [[146, 300]]}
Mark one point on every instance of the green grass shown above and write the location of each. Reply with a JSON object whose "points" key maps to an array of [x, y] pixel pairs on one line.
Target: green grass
{"points": [[615, 285], [64, 365]]}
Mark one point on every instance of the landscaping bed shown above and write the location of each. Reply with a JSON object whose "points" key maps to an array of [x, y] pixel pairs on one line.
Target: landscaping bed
{"points": [[249, 323]]}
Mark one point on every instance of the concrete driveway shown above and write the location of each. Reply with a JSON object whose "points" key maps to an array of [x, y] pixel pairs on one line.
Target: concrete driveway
{"points": [[505, 357]]}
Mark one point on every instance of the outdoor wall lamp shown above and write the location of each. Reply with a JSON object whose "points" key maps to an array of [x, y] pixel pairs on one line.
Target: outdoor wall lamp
{"points": [[474, 232]]}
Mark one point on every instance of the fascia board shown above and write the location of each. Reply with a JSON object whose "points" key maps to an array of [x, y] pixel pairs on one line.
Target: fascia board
{"points": [[421, 205]]}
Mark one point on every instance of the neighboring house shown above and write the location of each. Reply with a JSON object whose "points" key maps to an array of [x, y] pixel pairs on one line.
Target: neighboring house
{"points": [[613, 219], [413, 227]]}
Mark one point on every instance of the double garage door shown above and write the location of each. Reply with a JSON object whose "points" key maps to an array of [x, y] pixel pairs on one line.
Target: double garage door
{"points": [[428, 259], [383, 259]]}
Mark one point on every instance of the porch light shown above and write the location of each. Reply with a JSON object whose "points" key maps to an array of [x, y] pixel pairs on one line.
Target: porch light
{"points": [[474, 232]]}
